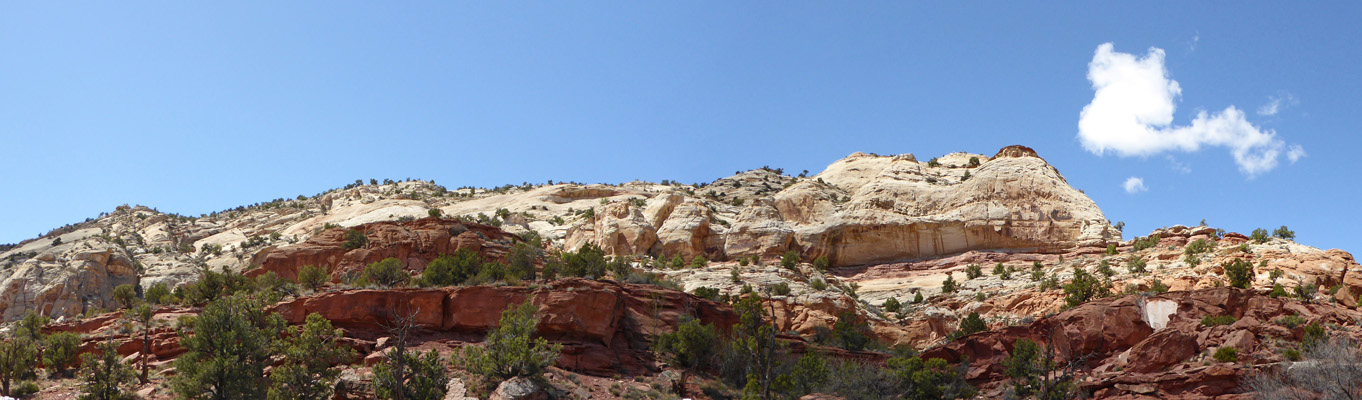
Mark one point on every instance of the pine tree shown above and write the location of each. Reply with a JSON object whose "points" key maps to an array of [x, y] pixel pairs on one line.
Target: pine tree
{"points": [[309, 353], [104, 375], [227, 346]]}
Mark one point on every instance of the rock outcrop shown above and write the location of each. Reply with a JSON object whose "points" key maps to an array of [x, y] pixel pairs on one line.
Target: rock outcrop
{"points": [[416, 243], [864, 209]]}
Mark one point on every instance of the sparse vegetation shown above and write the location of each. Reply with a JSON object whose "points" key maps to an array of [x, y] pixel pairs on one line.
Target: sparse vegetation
{"points": [[892, 305], [948, 285], [1227, 354], [355, 239], [1084, 287], [1239, 272], [973, 271], [1217, 320], [1284, 233], [511, 349], [1259, 235]]}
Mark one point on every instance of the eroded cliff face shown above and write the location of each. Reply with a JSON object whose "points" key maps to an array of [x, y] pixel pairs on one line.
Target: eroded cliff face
{"points": [[862, 209]]}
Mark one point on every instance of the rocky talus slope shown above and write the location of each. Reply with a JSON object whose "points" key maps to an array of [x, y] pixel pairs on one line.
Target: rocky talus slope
{"points": [[887, 227]]}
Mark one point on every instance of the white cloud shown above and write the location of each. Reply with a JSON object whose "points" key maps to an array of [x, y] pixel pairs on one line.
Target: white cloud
{"points": [[1179, 166], [1295, 152], [1191, 46], [1131, 114], [1134, 185], [1275, 104]]}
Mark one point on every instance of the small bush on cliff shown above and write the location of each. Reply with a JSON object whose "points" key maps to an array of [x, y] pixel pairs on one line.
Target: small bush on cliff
{"points": [[818, 284], [124, 295], [1136, 265], [385, 273], [821, 262], [1084, 287], [355, 239], [60, 351], [587, 262], [312, 277], [707, 293], [104, 376], [1145, 242], [917, 298], [698, 262], [1111, 249], [970, 324], [1290, 321], [1277, 291], [691, 347], [1104, 268], [1217, 320], [434, 213], [1002, 272], [1227, 354], [851, 332], [781, 289], [1259, 235], [1198, 246], [450, 270], [892, 305], [789, 259], [305, 371], [1239, 272], [228, 346], [511, 349], [973, 271], [948, 285], [1284, 233], [676, 262], [1037, 271], [929, 379], [158, 294]]}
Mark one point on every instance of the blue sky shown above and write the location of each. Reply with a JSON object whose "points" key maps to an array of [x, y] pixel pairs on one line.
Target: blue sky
{"points": [[194, 107]]}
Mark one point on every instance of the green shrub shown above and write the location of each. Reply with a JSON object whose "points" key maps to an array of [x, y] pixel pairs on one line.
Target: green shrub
{"points": [[158, 293], [1291, 354], [312, 277], [917, 298], [1145, 242], [26, 388], [973, 162], [698, 262], [851, 332], [1191, 260], [1290, 321], [781, 289], [1239, 272], [1277, 291], [676, 262], [691, 347], [355, 239], [1037, 271], [973, 271], [929, 379], [892, 305], [1218, 320], [1002, 272], [707, 293], [308, 352], [742, 261], [1313, 335], [1227, 354], [420, 376], [587, 262], [1198, 246], [124, 295], [1111, 249], [1275, 274], [451, 270], [1104, 268], [1259, 236], [388, 272], [522, 259], [821, 262], [1136, 265], [228, 346], [60, 350], [933, 163], [1284, 233], [789, 259], [1158, 287], [970, 324], [434, 213], [1306, 292], [818, 284], [511, 349], [1084, 287], [948, 285]]}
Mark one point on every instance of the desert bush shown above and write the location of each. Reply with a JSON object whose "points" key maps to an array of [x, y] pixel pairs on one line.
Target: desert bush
{"points": [[312, 277], [970, 324], [511, 349], [1259, 235], [388, 272], [892, 305], [1084, 287], [789, 259], [355, 239], [818, 284], [781, 289], [948, 285], [1217, 320], [973, 271], [1284, 233], [1239, 272], [1226, 354]]}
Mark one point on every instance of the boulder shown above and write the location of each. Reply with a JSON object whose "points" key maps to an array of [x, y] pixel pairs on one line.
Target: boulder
{"points": [[519, 388]]}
